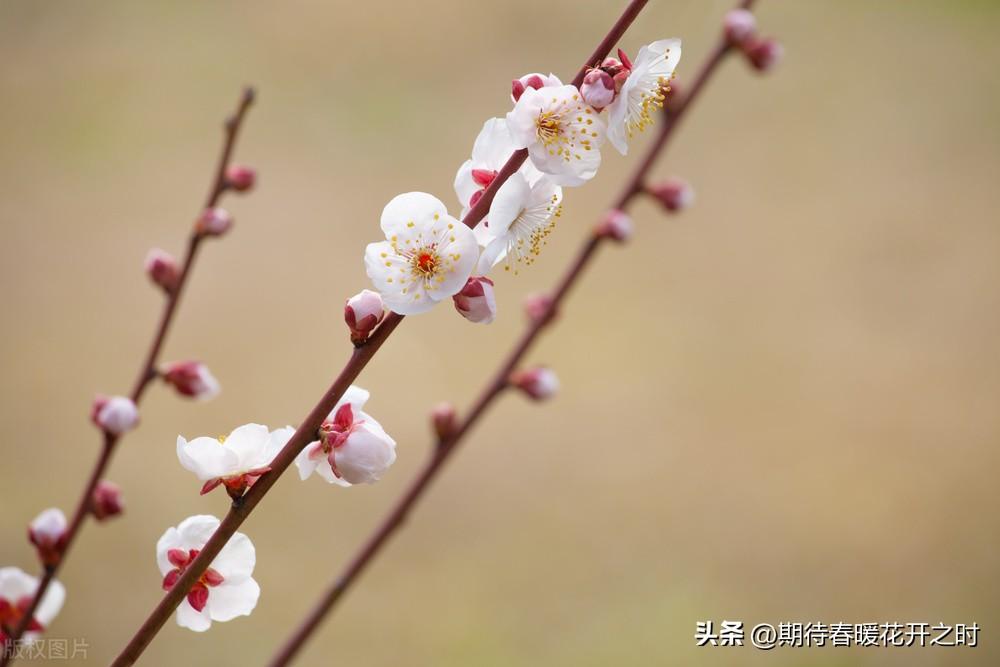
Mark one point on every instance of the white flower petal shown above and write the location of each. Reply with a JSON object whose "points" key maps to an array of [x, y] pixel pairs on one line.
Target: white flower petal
{"points": [[409, 207], [227, 601], [305, 463], [171, 539], [51, 603], [366, 455], [248, 443], [207, 458], [510, 200], [187, 617], [276, 441], [196, 530], [236, 560]]}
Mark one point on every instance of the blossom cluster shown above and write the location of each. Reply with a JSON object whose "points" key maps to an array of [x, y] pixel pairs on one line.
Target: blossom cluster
{"points": [[428, 255]]}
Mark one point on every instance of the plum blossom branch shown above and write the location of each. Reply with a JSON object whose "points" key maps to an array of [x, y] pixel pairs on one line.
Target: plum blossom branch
{"points": [[363, 352], [225, 178], [452, 432]]}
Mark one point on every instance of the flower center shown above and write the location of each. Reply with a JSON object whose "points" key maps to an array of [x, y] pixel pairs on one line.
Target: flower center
{"points": [[198, 595], [425, 262], [548, 127]]}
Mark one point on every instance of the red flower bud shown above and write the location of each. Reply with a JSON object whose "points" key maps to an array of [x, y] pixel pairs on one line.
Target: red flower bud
{"points": [[192, 379], [363, 312], [214, 222], [616, 225], [739, 26], [106, 501], [598, 89], [763, 54], [673, 193], [445, 420], [162, 269], [240, 178], [538, 383], [476, 301]]}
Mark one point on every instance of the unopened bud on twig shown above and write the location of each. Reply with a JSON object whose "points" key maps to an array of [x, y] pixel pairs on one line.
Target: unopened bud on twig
{"points": [[48, 533], [240, 178], [114, 414], [363, 312], [192, 379], [763, 54], [616, 225], [445, 420], [534, 80], [675, 194], [214, 222], [161, 267], [598, 89], [476, 301], [106, 501], [538, 307], [538, 383], [739, 26]]}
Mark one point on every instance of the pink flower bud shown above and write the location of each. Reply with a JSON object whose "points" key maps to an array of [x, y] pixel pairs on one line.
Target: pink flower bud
{"points": [[539, 383], [538, 306], [616, 225], [534, 80], [214, 222], [476, 301], [192, 379], [673, 193], [362, 313], [763, 54], [162, 269], [48, 533], [114, 414], [445, 420], [613, 66], [598, 89], [240, 178], [106, 501], [739, 26]]}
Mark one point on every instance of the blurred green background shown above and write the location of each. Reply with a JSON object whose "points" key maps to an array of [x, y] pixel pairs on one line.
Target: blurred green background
{"points": [[779, 406]]}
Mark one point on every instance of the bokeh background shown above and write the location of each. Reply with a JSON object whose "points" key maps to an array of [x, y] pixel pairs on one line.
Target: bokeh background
{"points": [[779, 406]]}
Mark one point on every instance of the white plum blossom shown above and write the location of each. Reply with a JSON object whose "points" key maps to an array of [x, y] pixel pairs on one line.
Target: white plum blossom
{"points": [[225, 590], [521, 217], [563, 134], [643, 91], [427, 255], [236, 460], [490, 152], [17, 588], [352, 448]]}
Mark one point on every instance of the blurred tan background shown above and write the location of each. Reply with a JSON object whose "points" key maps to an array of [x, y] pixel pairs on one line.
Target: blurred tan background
{"points": [[780, 406]]}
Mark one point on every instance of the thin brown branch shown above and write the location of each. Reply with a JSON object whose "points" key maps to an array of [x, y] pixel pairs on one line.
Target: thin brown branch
{"points": [[399, 511], [147, 371]]}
